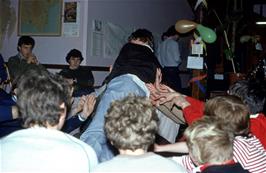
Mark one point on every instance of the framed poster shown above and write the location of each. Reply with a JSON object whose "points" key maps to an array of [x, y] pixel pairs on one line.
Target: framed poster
{"points": [[40, 18]]}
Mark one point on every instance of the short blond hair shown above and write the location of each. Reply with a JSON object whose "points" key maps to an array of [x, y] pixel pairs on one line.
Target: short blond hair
{"points": [[131, 123], [209, 142]]}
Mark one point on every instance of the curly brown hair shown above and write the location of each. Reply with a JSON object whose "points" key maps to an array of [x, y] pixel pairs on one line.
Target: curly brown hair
{"points": [[131, 123]]}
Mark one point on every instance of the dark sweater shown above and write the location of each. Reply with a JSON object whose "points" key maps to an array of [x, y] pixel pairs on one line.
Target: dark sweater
{"points": [[227, 168], [84, 77], [135, 59]]}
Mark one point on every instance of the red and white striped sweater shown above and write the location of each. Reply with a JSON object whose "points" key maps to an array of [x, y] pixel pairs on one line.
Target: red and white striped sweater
{"points": [[248, 151]]}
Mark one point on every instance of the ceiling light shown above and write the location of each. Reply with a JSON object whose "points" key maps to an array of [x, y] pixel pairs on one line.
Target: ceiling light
{"points": [[261, 23]]}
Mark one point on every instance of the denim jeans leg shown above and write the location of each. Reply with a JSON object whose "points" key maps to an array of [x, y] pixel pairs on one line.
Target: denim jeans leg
{"points": [[94, 135]]}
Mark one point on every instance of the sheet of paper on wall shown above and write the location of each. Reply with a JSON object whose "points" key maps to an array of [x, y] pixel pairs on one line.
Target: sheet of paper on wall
{"points": [[71, 19], [115, 36], [197, 49], [97, 44], [218, 76], [194, 62]]}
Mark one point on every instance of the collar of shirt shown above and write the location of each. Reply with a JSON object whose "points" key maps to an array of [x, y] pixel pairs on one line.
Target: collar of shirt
{"points": [[148, 47], [202, 167], [21, 56], [254, 115]]}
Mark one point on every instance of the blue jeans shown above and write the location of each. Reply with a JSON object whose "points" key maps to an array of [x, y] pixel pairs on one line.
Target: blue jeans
{"points": [[94, 135]]}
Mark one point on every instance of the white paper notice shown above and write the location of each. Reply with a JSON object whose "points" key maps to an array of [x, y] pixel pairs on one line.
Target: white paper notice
{"points": [[97, 44], [197, 49], [218, 76], [115, 36], [194, 62]]}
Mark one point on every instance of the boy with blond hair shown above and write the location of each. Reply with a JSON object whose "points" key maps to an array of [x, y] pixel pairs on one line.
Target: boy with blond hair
{"points": [[210, 147]]}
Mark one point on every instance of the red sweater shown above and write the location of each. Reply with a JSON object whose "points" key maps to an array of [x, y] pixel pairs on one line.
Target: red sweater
{"points": [[257, 122]]}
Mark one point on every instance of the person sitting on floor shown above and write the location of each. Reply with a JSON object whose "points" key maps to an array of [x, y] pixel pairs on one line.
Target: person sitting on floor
{"points": [[41, 147], [210, 147], [130, 125], [10, 120], [24, 59], [80, 77]]}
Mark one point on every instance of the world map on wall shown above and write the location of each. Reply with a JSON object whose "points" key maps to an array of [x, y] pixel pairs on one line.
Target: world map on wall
{"points": [[7, 20], [42, 17]]}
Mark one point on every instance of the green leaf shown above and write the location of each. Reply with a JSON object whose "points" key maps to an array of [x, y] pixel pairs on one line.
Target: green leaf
{"points": [[229, 54]]}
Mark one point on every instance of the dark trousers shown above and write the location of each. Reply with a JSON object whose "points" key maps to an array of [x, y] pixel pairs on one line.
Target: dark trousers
{"points": [[171, 78]]}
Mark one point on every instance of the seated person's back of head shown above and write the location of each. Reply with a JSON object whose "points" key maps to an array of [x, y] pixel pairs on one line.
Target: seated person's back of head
{"points": [[130, 125], [42, 101], [210, 146]]}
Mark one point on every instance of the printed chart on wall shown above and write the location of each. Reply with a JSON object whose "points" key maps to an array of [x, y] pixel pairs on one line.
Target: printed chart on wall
{"points": [[97, 38], [108, 38], [71, 19], [41, 18]]}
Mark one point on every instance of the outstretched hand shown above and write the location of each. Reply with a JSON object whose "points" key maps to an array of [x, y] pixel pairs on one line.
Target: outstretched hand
{"points": [[161, 94], [167, 97], [165, 94], [158, 78], [164, 88], [154, 93], [80, 105], [88, 107]]}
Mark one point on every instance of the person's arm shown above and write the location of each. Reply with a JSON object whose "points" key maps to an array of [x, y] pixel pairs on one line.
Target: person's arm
{"points": [[87, 103], [258, 127], [88, 107], [71, 124], [194, 111], [179, 147]]}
